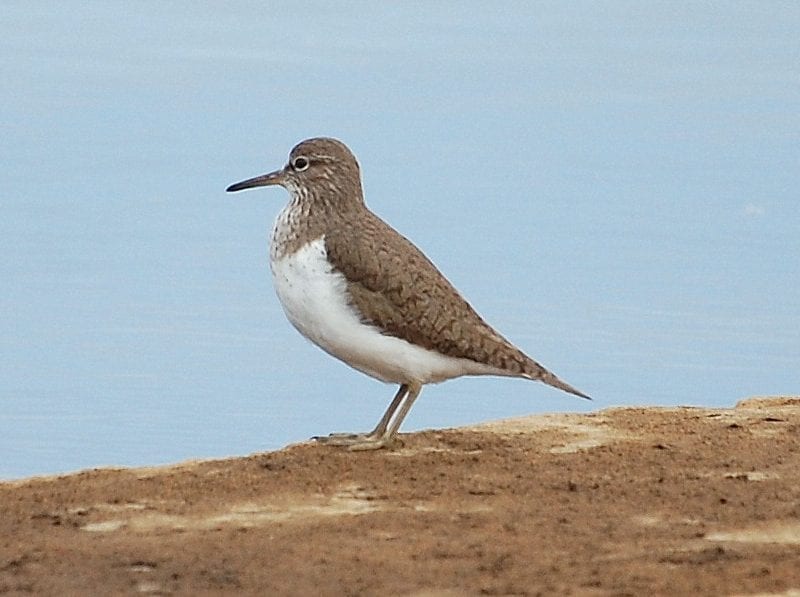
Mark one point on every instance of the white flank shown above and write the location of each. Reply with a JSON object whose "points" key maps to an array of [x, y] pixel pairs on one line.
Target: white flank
{"points": [[315, 301]]}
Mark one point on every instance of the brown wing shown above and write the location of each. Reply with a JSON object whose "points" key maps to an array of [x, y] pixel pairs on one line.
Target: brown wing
{"points": [[395, 287]]}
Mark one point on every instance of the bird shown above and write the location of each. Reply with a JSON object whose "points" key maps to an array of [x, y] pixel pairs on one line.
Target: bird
{"points": [[366, 295]]}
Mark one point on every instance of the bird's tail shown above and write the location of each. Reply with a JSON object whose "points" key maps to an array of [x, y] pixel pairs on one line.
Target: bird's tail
{"points": [[541, 374], [552, 380]]}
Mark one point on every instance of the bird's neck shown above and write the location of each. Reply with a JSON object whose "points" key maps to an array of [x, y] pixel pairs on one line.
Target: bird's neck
{"points": [[305, 219]]}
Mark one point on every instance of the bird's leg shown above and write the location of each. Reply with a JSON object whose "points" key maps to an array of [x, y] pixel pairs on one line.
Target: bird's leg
{"points": [[347, 439], [387, 438]]}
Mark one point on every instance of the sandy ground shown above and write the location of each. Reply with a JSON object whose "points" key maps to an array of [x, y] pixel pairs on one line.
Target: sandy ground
{"points": [[630, 501]]}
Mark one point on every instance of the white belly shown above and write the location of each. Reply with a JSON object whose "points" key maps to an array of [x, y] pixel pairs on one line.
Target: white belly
{"points": [[314, 299]]}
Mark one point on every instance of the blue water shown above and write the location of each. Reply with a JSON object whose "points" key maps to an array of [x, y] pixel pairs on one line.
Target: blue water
{"points": [[613, 186]]}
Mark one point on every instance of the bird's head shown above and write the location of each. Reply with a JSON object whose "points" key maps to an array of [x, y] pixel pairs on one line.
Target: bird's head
{"points": [[319, 169]]}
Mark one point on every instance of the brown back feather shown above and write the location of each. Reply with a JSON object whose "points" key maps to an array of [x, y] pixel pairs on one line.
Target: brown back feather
{"points": [[395, 287]]}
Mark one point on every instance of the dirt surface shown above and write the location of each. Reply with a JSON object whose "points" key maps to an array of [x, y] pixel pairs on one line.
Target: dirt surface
{"points": [[629, 501]]}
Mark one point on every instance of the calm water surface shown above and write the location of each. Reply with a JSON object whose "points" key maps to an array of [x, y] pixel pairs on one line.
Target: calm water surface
{"points": [[614, 190]]}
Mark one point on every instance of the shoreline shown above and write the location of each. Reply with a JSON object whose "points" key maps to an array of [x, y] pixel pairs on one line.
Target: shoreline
{"points": [[652, 500]]}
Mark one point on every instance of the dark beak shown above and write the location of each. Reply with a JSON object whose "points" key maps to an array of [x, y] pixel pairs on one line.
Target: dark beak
{"points": [[265, 180]]}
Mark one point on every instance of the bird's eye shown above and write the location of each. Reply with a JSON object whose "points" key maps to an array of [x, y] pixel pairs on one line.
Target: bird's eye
{"points": [[300, 163]]}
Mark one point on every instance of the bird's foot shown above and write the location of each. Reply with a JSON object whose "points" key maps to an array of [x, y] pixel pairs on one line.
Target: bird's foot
{"points": [[356, 442], [343, 439]]}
